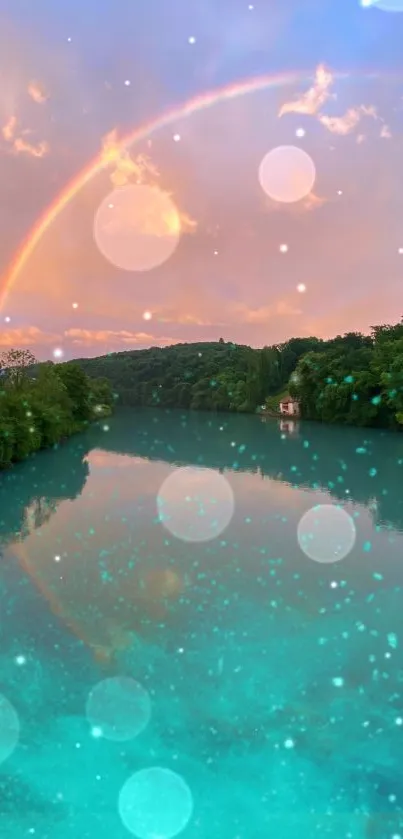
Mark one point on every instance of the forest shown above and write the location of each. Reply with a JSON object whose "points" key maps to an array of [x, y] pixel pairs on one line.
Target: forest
{"points": [[351, 379], [42, 404]]}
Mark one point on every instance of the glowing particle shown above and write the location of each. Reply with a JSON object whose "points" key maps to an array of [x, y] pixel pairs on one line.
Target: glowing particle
{"points": [[339, 192], [177, 138], [20, 660], [75, 305], [9, 728], [251, 7], [69, 40], [392, 640], [195, 504], [326, 533], [215, 253], [400, 251], [7, 319], [155, 802], [283, 248], [57, 558], [120, 707], [105, 428], [399, 720], [289, 744], [127, 83], [58, 352], [300, 132], [301, 287], [338, 682], [147, 316], [287, 174], [96, 732], [191, 39]]}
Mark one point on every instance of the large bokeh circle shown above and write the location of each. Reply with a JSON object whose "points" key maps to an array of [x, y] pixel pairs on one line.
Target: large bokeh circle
{"points": [[326, 533], [9, 728], [155, 803], [137, 227], [287, 174], [195, 504], [119, 708]]}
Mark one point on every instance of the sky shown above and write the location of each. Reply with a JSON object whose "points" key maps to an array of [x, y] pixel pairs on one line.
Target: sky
{"points": [[175, 172]]}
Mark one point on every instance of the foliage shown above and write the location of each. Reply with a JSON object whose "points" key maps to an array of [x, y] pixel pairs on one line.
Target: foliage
{"points": [[41, 404], [351, 379], [354, 379], [218, 376]]}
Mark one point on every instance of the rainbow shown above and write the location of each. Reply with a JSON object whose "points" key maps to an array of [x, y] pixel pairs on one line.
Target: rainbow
{"points": [[192, 106]]}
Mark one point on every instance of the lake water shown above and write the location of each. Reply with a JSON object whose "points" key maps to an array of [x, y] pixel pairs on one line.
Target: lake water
{"points": [[201, 632]]}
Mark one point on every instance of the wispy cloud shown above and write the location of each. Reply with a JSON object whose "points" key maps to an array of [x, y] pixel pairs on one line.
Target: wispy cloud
{"points": [[311, 101], [346, 123], [88, 337], [8, 130], [16, 142], [29, 336], [37, 93], [21, 146], [245, 314]]}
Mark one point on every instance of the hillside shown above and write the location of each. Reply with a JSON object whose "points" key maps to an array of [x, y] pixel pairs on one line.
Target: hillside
{"points": [[352, 379], [203, 376]]}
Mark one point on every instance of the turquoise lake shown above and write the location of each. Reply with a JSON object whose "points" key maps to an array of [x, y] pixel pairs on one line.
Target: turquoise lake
{"points": [[202, 632]]}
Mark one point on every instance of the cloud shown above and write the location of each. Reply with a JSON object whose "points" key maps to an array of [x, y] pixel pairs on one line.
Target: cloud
{"points": [[37, 93], [17, 144], [346, 123], [185, 319], [21, 146], [341, 125], [8, 129], [26, 337], [141, 170], [311, 101], [310, 202], [88, 337], [263, 314]]}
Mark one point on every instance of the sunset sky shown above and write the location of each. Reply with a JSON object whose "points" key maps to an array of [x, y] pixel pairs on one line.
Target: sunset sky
{"points": [[176, 235]]}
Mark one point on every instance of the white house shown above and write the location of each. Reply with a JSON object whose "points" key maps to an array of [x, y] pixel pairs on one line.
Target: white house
{"points": [[289, 407]]}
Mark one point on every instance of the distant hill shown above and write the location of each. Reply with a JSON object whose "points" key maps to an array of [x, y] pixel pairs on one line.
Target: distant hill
{"points": [[216, 375]]}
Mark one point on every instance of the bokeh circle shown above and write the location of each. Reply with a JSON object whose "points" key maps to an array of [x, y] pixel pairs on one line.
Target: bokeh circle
{"points": [[287, 174], [119, 708], [137, 227], [195, 504], [326, 533], [9, 728], [155, 803]]}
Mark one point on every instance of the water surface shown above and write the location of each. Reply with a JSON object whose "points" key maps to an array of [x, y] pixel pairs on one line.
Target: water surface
{"points": [[275, 681]]}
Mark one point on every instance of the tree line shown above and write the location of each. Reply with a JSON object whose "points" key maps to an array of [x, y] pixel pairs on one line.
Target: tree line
{"points": [[351, 379], [41, 404]]}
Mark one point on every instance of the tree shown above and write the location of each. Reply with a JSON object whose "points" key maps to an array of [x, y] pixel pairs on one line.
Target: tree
{"points": [[77, 387], [15, 364]]}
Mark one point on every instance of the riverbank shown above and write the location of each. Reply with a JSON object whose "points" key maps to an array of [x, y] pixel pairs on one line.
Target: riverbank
{"points": [[40, 412]]}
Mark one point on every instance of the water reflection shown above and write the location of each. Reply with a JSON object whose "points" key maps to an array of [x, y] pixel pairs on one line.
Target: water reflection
{"points": [[258, 661]]}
